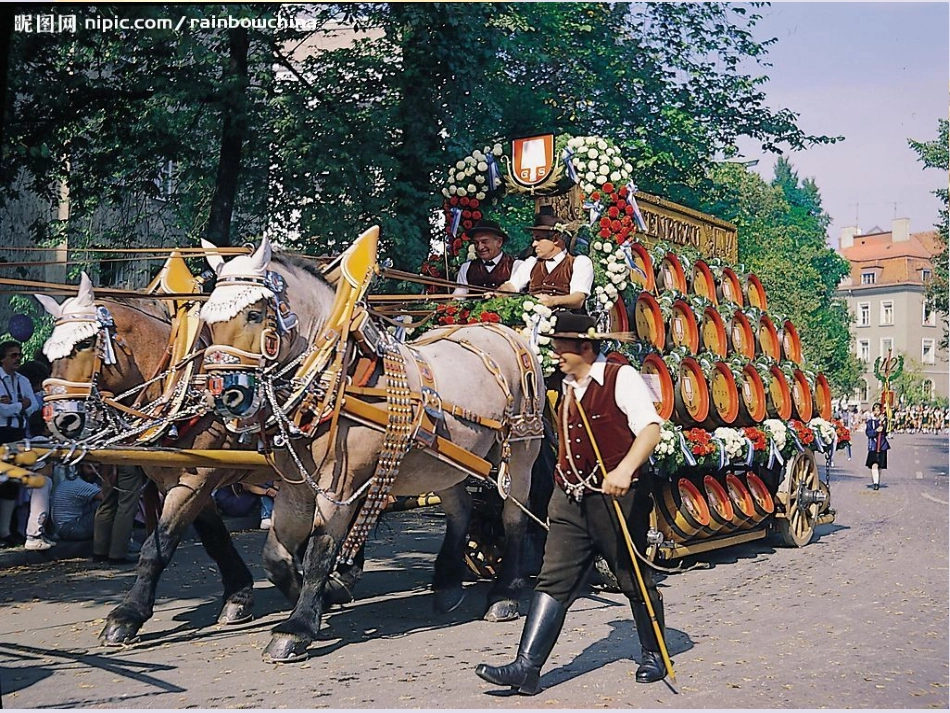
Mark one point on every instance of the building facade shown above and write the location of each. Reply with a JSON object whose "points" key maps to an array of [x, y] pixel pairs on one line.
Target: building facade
{"points": [[886, 294]]}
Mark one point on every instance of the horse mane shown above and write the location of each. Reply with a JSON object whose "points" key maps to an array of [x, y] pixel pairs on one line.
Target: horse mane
{"points": [[301, 263], [153, 307]]}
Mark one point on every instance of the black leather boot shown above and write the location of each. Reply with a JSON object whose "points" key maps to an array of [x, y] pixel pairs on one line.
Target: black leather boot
{"points": [[541, 630], [651, 667]]}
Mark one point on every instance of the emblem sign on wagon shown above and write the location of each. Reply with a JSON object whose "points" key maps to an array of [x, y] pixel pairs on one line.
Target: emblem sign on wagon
{"points": [[532, 159]]}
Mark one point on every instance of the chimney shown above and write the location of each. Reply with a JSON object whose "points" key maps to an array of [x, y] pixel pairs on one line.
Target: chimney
{"points": [[900, 230], [847, 236]]}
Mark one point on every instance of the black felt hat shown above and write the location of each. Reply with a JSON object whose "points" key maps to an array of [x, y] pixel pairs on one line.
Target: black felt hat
{"points": [[487, 226], [569, 325], [545, 220]]}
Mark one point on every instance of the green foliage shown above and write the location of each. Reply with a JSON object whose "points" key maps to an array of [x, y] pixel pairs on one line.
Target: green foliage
{"points": [[355, 129], [782, 240], [936, 154], [910, 387]]}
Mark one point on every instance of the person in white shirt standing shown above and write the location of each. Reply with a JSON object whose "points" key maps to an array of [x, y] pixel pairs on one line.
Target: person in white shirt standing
{"points": [[17, 404], [492, 266], [557, 278]]}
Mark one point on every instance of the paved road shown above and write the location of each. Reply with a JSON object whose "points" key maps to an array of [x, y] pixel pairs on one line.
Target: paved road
{"points": [[858, 619]]}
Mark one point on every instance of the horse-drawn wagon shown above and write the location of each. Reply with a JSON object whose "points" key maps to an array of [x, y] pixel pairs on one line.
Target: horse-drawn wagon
{"points": [[289, 369]]}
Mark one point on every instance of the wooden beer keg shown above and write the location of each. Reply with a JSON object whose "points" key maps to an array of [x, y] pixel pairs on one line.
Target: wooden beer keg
{"points": [[778, 395], [703, 282], [791, 343], [712, 333], [683, 329], [648, 320], [721, 514], [742, 506], [761, 498], [642, 273], [730, 288], [724, 396], [823, 407], [752, 408], [754, 292], [741, 336], [682, 510], [690, 393], [767, 339], [670, 274], [802, 403]]}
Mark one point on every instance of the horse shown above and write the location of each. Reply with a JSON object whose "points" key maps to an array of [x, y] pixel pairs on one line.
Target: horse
{"points": [[135, 334], [466, 388]]}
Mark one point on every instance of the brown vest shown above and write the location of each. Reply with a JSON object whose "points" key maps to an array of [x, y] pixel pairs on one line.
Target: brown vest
{"points": [[608, 423], [556, 283], [479, 276]]}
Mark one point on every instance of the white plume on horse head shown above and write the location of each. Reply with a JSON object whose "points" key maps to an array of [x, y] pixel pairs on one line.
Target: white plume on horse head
{"points": [[238, 284], [77, 319]]}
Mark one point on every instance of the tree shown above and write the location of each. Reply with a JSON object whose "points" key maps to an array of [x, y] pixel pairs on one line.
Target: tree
{"points": [[936, 154], [781, 239]]}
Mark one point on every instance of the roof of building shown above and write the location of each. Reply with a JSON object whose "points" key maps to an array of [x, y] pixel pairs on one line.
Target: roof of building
{"points": [[898, 262]]}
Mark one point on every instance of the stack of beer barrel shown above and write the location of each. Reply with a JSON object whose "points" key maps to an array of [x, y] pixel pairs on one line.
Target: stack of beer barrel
{"points": [[716, 357]]}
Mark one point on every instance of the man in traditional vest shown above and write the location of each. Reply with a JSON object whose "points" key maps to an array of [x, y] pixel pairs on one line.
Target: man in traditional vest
{"points": [[492, 267], [553, 275], [625, 427], [17, 403]]}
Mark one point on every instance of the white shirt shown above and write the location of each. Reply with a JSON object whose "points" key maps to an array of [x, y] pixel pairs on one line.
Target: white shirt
{"points": [[582, 278], [462, 277], [630, 394], [16, 386]]}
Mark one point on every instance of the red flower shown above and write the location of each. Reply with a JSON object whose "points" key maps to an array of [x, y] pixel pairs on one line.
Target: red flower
{"points": [[604, 232], [628, 210], [464, 201], [448, 320], [476, 215], [615, 225], [613, 211], [623, 191], [467, 224], [454, 200], [464, 314], [605, 222], [608, 188], [456, 245], [595, 196], [473, 203], [757, 436], [466, 214], [451, 309]]}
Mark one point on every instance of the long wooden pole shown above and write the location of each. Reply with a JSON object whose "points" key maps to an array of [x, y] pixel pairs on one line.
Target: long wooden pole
{"points": [[175, 457]]}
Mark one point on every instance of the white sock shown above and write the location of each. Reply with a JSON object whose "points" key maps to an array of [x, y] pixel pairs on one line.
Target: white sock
{"points": [[875, 474]]}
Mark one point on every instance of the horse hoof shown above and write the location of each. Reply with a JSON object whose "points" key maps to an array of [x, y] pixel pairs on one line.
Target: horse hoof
{"points": [[235, 613], [284, 648], [117, 633], [502, 611], [448, 600]]}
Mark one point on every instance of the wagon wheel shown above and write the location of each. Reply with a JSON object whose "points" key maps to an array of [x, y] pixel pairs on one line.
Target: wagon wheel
{"points": [[803, 501], [607, 579]]}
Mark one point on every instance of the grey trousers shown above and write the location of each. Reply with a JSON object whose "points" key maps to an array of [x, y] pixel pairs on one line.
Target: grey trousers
{"points": [[115, 516]]}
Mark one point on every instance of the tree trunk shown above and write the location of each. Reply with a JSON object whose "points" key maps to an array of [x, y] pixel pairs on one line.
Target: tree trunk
{"points": [[233, 134], [6, 40]]}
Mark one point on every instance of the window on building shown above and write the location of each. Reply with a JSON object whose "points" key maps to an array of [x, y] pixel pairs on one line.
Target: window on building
{"points": [[927, 351], [862, 391], [868, 278], [887, 346], [887, 312], [864, 350], [929, 388], [930, 317], [864, 314], [925, 275]]}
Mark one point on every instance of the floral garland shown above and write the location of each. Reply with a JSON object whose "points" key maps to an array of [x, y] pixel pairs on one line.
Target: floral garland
{"points": [[769, 445]]}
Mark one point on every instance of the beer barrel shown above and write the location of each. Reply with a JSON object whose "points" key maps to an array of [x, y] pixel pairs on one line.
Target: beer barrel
{"points": [[822, 397], [791, 344], [642, 272], [721, 513], [648, 320], [712, 334], [670, 274], [657, 374], [754, 292], [741, 337], [767, 341], [617, 318], [690, 393], [703, 282], [729, 287], [683, 329], [801, 395], [724, 395], [742, 506], [683, 511], [761, 498], [778, 395], [752, 408]]}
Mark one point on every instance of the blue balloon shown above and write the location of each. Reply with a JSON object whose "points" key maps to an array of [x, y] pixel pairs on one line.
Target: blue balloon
{"points": [[20, 327]]}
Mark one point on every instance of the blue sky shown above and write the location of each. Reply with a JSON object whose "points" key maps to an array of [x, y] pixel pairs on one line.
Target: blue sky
{"points": [[877, 74]]}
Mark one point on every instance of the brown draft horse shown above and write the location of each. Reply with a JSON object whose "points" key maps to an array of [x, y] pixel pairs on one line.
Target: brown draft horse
{"points": [[138, 337], [476, 367]]}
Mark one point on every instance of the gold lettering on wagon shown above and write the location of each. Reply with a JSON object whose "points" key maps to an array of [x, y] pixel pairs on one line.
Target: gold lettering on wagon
{"points": [[680, 225]]}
